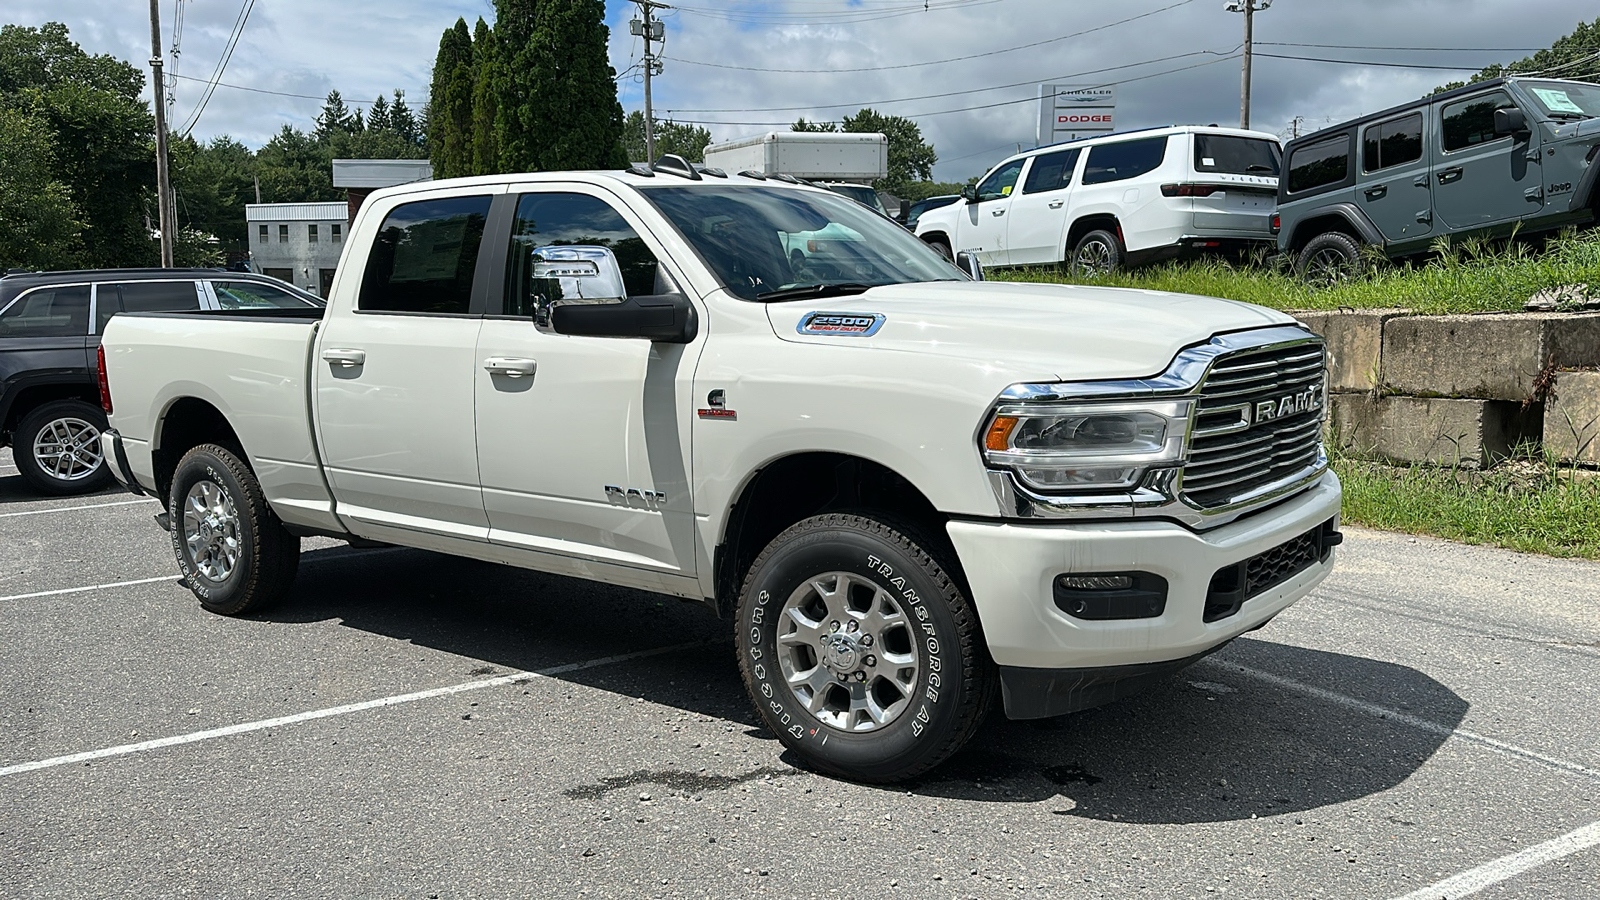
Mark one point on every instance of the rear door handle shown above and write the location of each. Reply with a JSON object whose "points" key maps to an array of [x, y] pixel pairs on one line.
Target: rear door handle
{"points": [[510, 366], [1420, 181], [348, 359], [1451, 174], [1376, 193], [1056, 204]]}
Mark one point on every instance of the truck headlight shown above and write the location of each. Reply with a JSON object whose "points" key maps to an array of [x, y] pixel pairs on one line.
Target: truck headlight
{"points": [[1086, 445]]}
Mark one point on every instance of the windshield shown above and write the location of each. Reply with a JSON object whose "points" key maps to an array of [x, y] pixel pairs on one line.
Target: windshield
{"points": [[759, 240], [1565, 99]]}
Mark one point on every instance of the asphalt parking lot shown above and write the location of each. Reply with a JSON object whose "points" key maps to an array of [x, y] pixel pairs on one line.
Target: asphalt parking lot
{"points": [[413, 725]]}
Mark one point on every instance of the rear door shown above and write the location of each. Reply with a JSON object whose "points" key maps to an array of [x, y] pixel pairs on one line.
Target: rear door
{"points": [[981, 227], [583, 442], [1481, 178], [45, 336], [394, 376], [1039, 212], [1395, 190]]}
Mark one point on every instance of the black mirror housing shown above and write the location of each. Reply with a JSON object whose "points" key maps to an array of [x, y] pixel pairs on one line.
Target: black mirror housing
{"points": [[969, 194], [666, 318], [1510, 121]]}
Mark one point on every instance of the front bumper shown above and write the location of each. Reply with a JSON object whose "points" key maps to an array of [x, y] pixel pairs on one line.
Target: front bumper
{"points": [[1052, 662]]}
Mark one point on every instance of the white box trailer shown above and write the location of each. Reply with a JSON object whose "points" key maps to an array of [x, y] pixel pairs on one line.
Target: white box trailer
{"points": [[814, 156]]}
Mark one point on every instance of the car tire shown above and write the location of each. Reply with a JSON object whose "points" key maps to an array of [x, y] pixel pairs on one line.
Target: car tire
{"points": [[1097, 253], [859, 649], [235, 554], [942, 247], [1329, 258], [57, 448]]}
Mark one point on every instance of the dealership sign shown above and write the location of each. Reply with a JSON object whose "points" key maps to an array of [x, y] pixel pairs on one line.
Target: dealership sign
{"points": [[1071, 111]]}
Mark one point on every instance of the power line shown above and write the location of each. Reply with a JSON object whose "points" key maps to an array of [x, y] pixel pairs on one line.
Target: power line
{"points": [[1362, 62], [828, 17], [939, 62], [997, 87], [222, 65], [240, 87], [1417, 49]]}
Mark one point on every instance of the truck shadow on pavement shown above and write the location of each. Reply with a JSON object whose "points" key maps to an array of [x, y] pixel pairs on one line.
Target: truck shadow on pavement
{"points": [[1212, 743]]}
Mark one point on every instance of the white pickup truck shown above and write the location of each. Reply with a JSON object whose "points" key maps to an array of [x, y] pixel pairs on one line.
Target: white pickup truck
{"points": [[915, 491]]}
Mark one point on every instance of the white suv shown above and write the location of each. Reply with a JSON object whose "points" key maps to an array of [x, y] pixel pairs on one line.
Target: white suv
{"points": [[1098, 203]]}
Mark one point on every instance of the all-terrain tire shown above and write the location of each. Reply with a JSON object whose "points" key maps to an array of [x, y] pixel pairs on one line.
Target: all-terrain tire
{"points": [[1329, 258], [234, 552], [859, 649], [57, 448]]}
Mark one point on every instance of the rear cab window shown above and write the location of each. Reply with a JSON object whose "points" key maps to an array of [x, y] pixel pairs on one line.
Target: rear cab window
{"points": [[1321, 164], [1124, 159], [1231, 154], [424, 258]]}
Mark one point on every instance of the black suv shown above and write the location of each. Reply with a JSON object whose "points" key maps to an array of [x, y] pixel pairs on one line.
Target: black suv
{"points": [[50, 327], [1508, 154]]}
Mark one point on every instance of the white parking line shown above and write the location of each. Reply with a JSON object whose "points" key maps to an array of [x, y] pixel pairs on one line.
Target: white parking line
{"points": [[247, 727], [1507, 867], [89, 587], [57, 509]]}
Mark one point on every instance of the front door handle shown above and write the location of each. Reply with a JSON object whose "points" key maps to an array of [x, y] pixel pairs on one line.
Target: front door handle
{"points": [[1056, 204], [1376, 193], [1451, 174], [511, 367], [348, 359], [997, 212]]}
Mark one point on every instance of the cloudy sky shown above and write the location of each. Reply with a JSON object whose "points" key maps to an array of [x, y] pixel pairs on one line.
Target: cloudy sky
{"points": [[966, 70]]}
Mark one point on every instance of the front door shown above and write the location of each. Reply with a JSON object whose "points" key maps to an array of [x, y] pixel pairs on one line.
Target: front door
{"points": [[583, 442], [394, 377], [1481, 178], [1039, 213], [981, 228], [1396, 189]]}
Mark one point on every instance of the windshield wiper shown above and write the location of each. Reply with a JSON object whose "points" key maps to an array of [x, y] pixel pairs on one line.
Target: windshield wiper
{"points": [[815, 291], [1569, 116], [1257, 167]]}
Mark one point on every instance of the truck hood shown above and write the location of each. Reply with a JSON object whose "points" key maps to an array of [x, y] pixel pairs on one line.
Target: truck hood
{"points": [[1033, 332]]}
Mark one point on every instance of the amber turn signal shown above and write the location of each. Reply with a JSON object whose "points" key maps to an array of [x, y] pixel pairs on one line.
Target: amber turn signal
{"points": [[999, 436]]}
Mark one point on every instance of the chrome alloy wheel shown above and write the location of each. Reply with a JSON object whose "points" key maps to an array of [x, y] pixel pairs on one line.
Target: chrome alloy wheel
{"points": [[848, 652], [68, 449], [211, 530], [1093, 258]]}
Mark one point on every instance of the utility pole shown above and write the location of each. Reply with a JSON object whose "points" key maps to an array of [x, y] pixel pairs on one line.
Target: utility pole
{"points": [[651, 30], [1249, 8], [169, 210]]}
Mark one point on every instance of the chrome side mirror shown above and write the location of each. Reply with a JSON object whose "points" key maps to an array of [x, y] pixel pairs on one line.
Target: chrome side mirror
{"points": [[967, 262]]}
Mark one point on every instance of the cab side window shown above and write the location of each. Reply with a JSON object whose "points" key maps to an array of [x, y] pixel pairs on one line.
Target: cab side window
{"points": [[546, 222], [1001, 181], [48, 312], [1393, 143], [1471, 121], [1051, 171], [424, 257], [1124, 159], [1319, 165]]}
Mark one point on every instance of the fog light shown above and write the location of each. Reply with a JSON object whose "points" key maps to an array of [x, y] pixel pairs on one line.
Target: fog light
{"points": [[1097, 582], [1111, 595]]}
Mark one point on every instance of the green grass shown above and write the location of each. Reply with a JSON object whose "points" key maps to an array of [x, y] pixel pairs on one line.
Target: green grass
{"points": [[1471, 276], [1535, 507]]}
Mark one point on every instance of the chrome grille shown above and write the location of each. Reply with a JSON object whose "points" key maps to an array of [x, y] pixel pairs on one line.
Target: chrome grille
{"points": [[1234, 452]]}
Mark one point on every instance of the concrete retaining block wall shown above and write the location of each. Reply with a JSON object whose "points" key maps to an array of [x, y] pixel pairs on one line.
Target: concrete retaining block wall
{"points": [[1489, 357], [1430, 429], [1355, 345], [1572, 418]]}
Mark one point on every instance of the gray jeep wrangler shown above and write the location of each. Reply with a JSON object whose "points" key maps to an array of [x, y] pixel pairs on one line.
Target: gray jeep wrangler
{"points": [[1484, 159]]}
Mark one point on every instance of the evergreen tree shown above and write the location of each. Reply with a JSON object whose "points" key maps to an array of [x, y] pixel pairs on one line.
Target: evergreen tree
{"points": [[687, 141], [484, 139], [402, 122], [378, 114], [574, 101], [450, 104], [335, 116], [514, 84]]}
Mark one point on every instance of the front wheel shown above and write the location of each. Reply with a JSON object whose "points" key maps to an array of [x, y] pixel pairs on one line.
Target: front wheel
{"points": [[234, 553], [859, 650], [942, 247]]}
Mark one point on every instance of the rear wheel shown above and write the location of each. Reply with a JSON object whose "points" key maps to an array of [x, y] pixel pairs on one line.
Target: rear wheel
{"points": [[859, 650], [1329, 258], [234, 553], [57, 448], [1097, 253]]}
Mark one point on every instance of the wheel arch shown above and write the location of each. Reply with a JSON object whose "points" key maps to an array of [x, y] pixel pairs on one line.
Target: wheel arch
{"points": [[186, 423], [1087, 223], [26, 396], [929, 237], [791, 488], [1341, 217]]}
